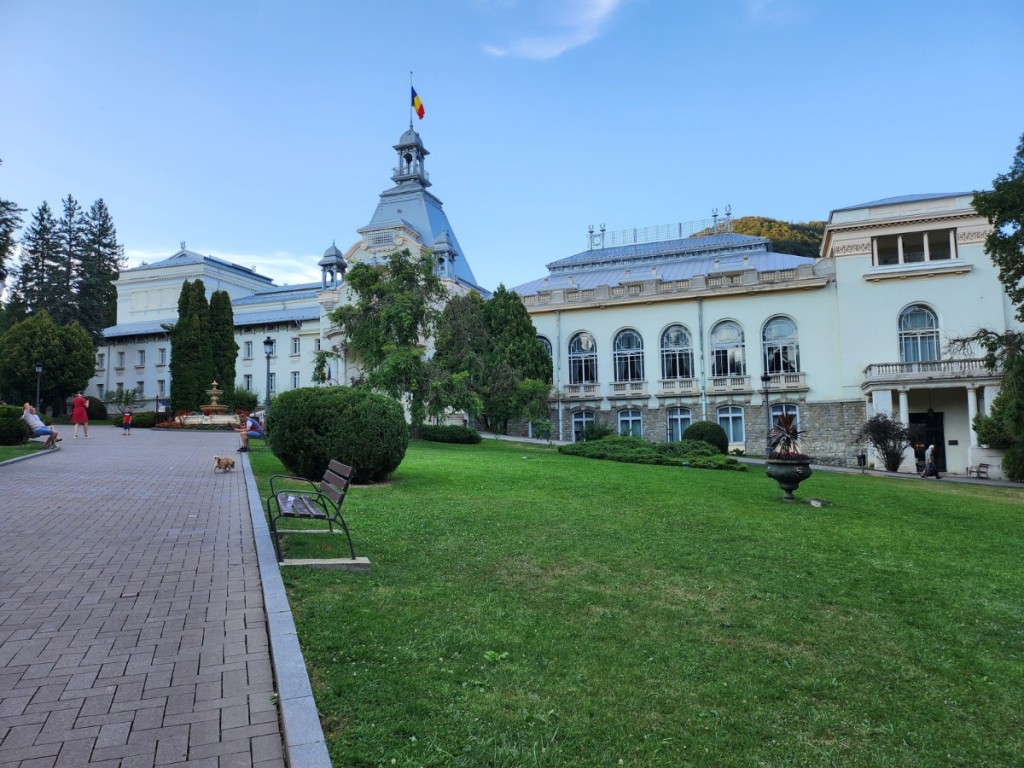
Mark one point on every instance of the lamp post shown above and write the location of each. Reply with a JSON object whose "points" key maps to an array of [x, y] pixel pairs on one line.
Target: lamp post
{"points": [[39, 374], [268, 349], [765, 381]]}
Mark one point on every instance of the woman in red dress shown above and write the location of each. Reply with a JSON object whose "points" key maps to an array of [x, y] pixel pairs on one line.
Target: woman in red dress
{"points": [[79, 415]]}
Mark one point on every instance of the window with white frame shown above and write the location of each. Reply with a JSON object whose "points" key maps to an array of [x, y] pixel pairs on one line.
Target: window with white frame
{"points": [[730, 418], [580, 421], [780, 409], [296, 345], [247, 382], [295, 379], [780, 346], [914, 247], [142, 357], [99, 391], [120, 359], [161, 388], [582, 359], [628, 356], [101, 360], [919, 335], [316, 344], [728, 357], [679, 420], [162, 359], [247, 350], [676, 353], [631, 423], [272, 382], [140, 387]]}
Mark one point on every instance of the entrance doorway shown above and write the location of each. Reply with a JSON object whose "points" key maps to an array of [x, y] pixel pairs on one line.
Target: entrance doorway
{"points": [[928, 427]]}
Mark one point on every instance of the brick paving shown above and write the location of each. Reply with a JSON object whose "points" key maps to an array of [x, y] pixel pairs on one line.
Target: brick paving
{"points": [[132, 622]]}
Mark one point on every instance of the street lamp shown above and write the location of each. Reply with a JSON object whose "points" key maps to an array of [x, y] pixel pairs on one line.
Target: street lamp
{"points": [[268, 350], [765, 381], [39, 373]]}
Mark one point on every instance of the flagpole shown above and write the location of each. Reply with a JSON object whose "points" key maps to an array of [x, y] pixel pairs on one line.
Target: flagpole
{"points": [[410, 100]]}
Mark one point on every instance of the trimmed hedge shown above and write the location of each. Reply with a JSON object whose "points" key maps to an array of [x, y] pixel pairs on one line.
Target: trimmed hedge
{"points": [[636, 450], [710, 433], [13, 431], [95, 409], [308, 427], [450, 433]]}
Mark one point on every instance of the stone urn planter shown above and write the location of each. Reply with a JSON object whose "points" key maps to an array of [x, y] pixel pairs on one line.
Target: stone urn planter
{"points": [[788, 473]]}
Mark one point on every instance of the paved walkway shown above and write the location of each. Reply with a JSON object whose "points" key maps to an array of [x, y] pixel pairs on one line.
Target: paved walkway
{"points": [[134, 621]]}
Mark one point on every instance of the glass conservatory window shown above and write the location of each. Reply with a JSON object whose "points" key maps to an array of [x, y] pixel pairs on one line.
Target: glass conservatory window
{"points": [[919, 334], [781, 346], [582, 359], [727, 352], [676, 353], [628, 356]]}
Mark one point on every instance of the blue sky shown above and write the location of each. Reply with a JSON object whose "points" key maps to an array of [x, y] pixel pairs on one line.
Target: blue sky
{"points": [[261, 132]]}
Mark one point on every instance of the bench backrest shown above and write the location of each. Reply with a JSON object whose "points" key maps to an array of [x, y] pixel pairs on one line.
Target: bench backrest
{"points": [[336, 481]]}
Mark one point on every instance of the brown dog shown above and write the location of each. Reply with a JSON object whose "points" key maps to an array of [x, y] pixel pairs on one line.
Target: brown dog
{"points": [[225, 463]]}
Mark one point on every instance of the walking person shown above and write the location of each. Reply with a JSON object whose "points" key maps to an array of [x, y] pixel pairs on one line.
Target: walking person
{"points": [[931, 469], [126, 422], [80, 414]]}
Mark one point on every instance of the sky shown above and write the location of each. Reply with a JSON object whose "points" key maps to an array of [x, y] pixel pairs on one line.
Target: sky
{"points": [[262, 132]]}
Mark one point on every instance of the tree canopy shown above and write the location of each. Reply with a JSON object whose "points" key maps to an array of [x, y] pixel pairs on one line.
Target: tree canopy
{"points": [[800, 239], [66, 354], [191, 365]]}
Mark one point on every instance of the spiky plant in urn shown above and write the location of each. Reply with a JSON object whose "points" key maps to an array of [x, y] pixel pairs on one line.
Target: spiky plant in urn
{"points": [[786, 464]]}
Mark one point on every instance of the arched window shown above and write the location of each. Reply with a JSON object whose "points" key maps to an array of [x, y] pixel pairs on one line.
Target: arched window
{"points": [[631, 424], [582, 359], [785, 408], [676, 353], [730, 418], [781, 346], [919, 334], [546, 344], [580, 421], [628, 356], [679, 420], [727, 353]]}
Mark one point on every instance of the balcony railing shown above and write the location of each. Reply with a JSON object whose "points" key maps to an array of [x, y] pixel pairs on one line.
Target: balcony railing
{"points": [[678, 387], [729, 384], [629, 389], [968, 368], [580, 391], [782, 382]]}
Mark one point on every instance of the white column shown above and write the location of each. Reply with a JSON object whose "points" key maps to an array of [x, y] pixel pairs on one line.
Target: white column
{"points": [[904, 407], [899, 248], [972, 411], [952, 244]]}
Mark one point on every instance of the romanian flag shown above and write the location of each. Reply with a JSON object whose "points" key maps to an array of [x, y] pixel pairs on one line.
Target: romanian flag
{"points": [[417, 105]]}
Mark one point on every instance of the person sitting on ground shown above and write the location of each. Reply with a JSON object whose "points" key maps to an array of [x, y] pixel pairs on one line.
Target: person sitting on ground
{"points": [[38, 428], [251, 428]]}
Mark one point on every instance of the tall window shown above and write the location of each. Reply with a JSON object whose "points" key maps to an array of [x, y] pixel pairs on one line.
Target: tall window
{"points": [[296, 345], [679, 420], [780, 346], [580, 420], [161, 387], [247, 382], [142, 357], [295, 379], [120, 359], [919, 334], [676, 353], [140, 387], [727, 353], [101, 360], [628, 356], [631, 424], [247, 347], [582, 359], [99, 391], [162, 359], [547, 345], [730, 418]]}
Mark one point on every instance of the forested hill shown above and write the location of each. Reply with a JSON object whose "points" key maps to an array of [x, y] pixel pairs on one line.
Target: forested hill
{"points": [[801, 239]]}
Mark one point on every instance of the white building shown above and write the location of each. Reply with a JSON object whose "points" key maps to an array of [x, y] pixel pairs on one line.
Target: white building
{"points": [[650, 330]]}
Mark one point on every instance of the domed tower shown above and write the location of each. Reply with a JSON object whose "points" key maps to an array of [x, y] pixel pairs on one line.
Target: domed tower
{"points": [[332, 268]]}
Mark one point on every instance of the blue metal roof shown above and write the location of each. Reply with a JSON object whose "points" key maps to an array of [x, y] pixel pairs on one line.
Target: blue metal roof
{"points": [[904, 199], [278, 316], [185, 257], [134, 329], [678, 247], [278, 293]]}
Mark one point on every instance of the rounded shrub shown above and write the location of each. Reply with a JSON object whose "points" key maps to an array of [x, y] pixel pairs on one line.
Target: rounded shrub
{"points": [[1013, 463], [708, 432], [95, 409], [144, 419], [10, 411], [308, 427], [244, 400], [13, 430]]}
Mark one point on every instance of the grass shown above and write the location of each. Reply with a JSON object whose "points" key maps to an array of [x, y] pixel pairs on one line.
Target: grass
{"points": [[527, 608], [8, 452]]}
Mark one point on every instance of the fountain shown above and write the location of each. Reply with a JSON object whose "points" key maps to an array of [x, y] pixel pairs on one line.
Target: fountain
{"points": [[213, 413]]}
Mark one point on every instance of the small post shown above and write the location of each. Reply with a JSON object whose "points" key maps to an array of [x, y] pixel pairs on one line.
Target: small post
{"points": [[39, 374], [765, 381]]}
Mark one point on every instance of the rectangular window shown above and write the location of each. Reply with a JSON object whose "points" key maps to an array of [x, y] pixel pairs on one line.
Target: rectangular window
{"points": [[161, 389], [163, 355], [120, 359], [140, 387], [272, 382], [101, 360], [914, 247], [247, 354], [316, 345], [295, 379], [247, 382], [296, 345], [142, 357], [631, 424], [120, 387], [99, 391], [730, 418]]}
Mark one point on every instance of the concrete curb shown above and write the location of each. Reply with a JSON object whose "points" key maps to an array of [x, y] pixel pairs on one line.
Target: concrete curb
{"points": [[28, 456], [304, 742]]}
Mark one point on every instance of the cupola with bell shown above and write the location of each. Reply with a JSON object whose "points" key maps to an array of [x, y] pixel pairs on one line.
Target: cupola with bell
{"points": [[332, 268], [411, 154]]}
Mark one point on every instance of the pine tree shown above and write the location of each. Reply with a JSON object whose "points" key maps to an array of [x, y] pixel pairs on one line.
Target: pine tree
{"points": [[102, 261], [39, 254], [222, 342], [63, 289], [10, 220], [182, 382]]}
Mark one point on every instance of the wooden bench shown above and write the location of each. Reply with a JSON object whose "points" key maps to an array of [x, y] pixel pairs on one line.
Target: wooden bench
{"points": [[311, 501], [980, 471]]}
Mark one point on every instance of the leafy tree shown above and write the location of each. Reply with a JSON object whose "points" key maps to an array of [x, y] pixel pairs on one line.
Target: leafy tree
{"points": [[10, 220], [889, 438], [123, 399], [102, 261], [1003, 206], [387, 326], [223, 346], [66, 353]]}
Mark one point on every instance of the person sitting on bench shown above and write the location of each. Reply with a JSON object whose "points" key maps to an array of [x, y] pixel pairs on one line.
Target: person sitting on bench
{"points": [[251, 428], [38, 428]]}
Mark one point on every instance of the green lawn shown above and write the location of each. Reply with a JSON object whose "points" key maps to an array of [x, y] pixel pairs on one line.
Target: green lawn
{"points": [[16, 451], [532, 609]]}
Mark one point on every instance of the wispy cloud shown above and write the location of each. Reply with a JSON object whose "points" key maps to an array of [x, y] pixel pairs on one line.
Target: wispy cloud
{"points": [[773, 11], [574, 23]]}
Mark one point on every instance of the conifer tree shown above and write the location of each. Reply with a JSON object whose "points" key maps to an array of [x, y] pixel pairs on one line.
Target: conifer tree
{"points": [[10, 220], [222, 342], [102, 261], [62, 292], [35, 275]]}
